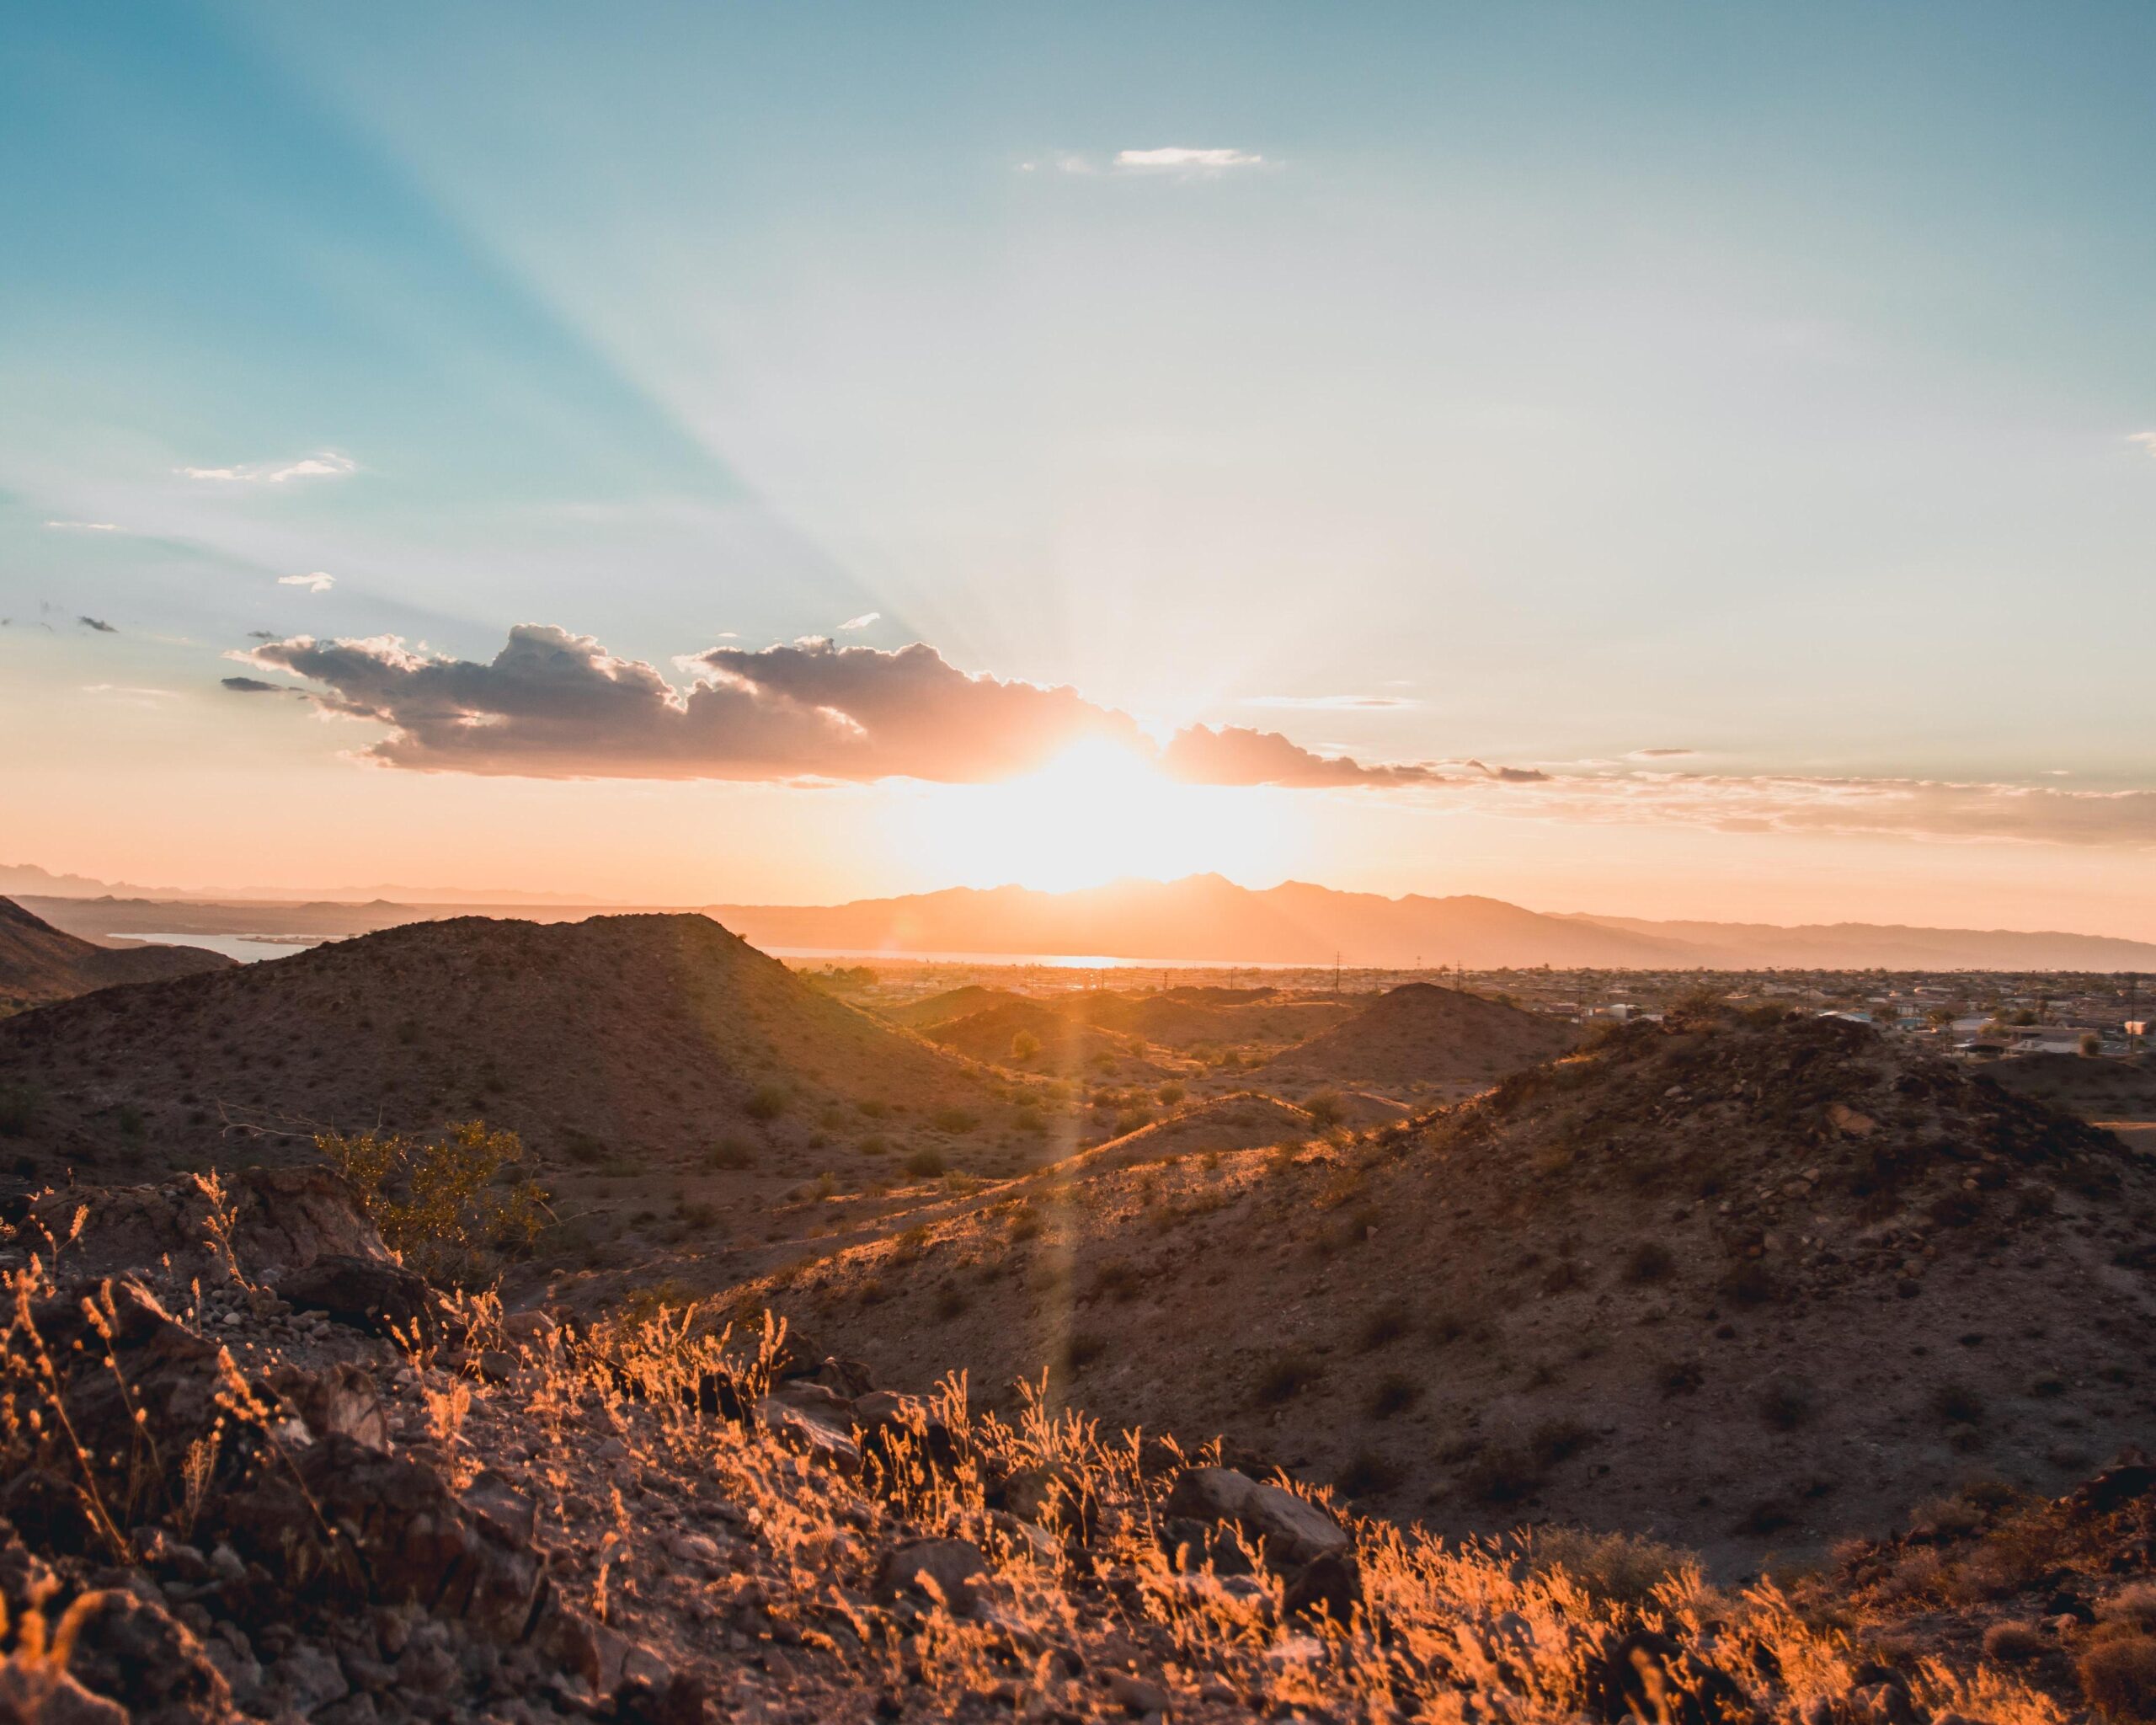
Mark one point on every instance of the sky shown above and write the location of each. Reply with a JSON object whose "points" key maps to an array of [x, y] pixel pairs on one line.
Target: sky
{"points": [[1682, 460]]}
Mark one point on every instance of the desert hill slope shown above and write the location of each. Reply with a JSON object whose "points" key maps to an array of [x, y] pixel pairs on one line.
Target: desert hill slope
{"points": [[1749, 1286], [628, 1038], [38, 963], [1420, 1037]]}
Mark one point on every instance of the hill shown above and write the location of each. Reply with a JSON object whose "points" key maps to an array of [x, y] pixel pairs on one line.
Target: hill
{"points": [[38, 963], [324, 1522], [1059, 1042], [631, 1047], [1206, 917], [1748, 1286], [1421, 1038], [1865, 946]]}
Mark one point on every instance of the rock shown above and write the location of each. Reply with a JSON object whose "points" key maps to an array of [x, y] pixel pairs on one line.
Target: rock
{"points": [[1052, 1496], [1850, 1123], [308, 1679], [140, 1656], [810, 1419], [369, 1294], [889, 1422], [342, 1401], [529, 1329], [1134, 1695], [1645, 1675], [39, 1695], [1294, 1529], [849, 1378], [497, 1365], [950, 1566], [398, 1535], [1330, 1585], [281, 1219]]}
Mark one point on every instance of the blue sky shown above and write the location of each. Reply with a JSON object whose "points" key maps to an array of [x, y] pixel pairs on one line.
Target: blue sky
{"points": [[1531, 385]]}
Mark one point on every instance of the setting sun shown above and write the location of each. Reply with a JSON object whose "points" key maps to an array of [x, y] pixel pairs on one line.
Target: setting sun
{"points": [[1097, 812]]}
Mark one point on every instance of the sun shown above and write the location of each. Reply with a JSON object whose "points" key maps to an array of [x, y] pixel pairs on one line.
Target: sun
{"points": [[1098, 812]]}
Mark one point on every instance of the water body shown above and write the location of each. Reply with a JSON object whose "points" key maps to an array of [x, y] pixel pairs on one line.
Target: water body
{"points": [[248, 949], [1051, 961]]}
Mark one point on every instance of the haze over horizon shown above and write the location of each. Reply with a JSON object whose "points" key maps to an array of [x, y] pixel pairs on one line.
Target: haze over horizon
{"points": [[1673, 464]]}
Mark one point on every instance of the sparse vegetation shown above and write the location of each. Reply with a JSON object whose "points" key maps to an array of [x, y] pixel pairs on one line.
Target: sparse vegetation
{"points": [[440, 1202]]}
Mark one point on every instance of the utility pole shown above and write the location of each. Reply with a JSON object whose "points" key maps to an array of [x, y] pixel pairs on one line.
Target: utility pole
{"points": [[1335, 976]]}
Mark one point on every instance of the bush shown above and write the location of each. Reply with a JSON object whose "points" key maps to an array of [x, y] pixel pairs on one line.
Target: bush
{"points": [[924, 1164], [1957, 1404], [766, 1102], [1285, 1377], [953, 1120], [1025, 1045], [19, 1106], [1386, 1325], [1366, 1475], [1651, 1261], [2013, 1643], [1785, 1404], [730, 1152], [1171, 1094], [2118, 1675], [1748, 1283], [1621, 1568], [1501, 1473], [447, 1206], [1326, 1107], [1396, 1392]]}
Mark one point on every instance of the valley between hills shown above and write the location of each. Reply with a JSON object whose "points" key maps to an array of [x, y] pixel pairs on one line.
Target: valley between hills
{"points": [[764, 1338]]}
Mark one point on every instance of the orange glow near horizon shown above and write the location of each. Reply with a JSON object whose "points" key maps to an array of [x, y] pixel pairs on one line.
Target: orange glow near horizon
{"points": [[1098, 812]]}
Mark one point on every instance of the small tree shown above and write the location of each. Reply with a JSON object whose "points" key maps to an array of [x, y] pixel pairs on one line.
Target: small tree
{"points": [[1025, 1045], [2092, 1045], [444, 1206]]}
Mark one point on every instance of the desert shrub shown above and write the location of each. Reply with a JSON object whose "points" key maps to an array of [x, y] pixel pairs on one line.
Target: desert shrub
{"points": [[1956, 1403], [1555, 1440], [766, 1102], [1083, 1349], [730, 1152], [954, 1119], [1396, 1392], [871, 1109], [1501, 1473], [1119, 1279], [1326, 1107], [1367, 1474], [1028, 1119], [1748, 1282], [951, 1302], [1025, 1222], [18, 1107], [441, 1204], [924, 1164], [1786, 1403], [1170, 1094], [1650, 1261], [875, 1144], [2134, 1604], [1622, 1568], [1679, 1377], [1286, 1376], [1025, 1045], [1130, 1120], [2118, 1675], [698, 1215], [2013, 1643], [1386, 1325]]}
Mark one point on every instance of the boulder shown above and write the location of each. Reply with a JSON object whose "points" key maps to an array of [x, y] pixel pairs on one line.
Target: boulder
{"points": [[1294, 1529], [276, 1221], [139, 1655], [344, 1400], [373, 1294], [1054, 1497], [889, 1421], [949, 1567]]}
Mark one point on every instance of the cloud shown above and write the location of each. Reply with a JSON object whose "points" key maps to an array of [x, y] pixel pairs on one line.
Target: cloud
{"points": [[1511, 775], [98, 624], [130, 694], [1329, 703], [254, 685], [863, 622], [316, 583], [1235, 755], [1184, 161], [85, 527], [1935, 809], [326, 465], [551, 704], [2146, 439], [1660, 754]]}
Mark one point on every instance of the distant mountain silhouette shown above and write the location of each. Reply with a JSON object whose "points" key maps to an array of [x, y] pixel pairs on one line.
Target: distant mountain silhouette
{"points": [[38, 963], [1205, 917]]}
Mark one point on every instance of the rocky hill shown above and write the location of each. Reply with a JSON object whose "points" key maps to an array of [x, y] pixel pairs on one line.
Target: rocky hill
{"points": [[259, 1470], [1421, 1039], [38, 963], [1746, 1286], [622, 1048]]}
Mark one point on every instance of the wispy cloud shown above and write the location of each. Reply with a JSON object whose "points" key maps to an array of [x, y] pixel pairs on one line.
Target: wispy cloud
{"points": [[126, 693], [316, 583], [1181, 159], [2146, 439], [98, 623], [863, 622], [85, 527], [255, 685], [325, 465], [1329, 703], [1660, 754]]}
